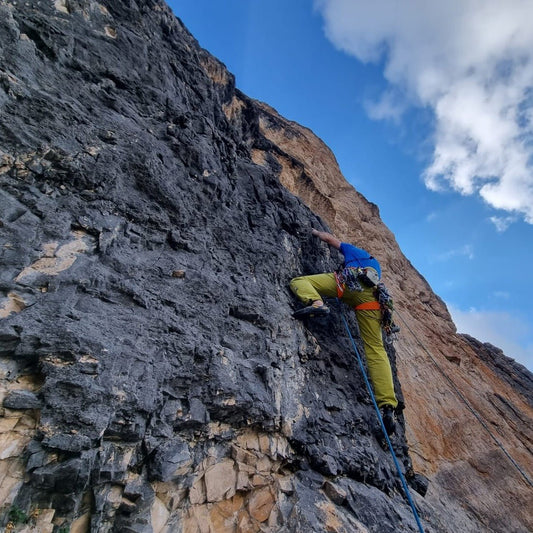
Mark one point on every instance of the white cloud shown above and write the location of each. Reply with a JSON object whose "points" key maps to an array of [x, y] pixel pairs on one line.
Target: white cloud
{"points": [[390, 106], [464, 251], [500, 328], [502, 223], [504, 295], [471, 62]]}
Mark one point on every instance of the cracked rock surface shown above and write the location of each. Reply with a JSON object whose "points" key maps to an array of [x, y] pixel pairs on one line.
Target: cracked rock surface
{"points": [[152, 378]]}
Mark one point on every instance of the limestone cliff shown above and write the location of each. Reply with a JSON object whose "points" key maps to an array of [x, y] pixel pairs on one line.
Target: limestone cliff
{"points": [[151, 376], [447, 378]]}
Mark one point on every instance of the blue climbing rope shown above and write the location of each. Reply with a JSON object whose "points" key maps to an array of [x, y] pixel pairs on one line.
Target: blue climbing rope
{"points": [[369, 387]]}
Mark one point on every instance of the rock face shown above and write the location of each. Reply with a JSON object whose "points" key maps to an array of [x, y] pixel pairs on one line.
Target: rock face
{"points": [[152, 378], [469, 407]]}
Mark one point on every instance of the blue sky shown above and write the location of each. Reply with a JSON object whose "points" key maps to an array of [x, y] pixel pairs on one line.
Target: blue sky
{"points": [[428, 108]]}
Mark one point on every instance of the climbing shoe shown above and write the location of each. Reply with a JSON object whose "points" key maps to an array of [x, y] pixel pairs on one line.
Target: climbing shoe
{"points": [[311, 311], [387, 414]]}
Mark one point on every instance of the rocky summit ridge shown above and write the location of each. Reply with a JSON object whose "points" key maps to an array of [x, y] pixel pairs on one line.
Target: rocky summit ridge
{"points": [[151, 376]]}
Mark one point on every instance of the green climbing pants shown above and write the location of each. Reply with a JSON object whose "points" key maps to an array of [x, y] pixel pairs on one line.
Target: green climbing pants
{"points": [[311, 288]]}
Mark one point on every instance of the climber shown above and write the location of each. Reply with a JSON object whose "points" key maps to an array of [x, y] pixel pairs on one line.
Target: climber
{"points": [[359, 294]]}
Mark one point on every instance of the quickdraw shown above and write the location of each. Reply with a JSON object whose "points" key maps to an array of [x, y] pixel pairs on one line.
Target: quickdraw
{"points": [[387, 307], [356, 278]]}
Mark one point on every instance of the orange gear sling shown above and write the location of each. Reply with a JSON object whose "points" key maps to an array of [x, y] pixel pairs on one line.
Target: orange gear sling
{"points": [[368, 305], [374, 305]]}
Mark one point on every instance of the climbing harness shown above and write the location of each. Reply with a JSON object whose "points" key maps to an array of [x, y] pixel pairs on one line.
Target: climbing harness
{"points": [[374, 305], [353, 278], [470, 408], [380, 418]]}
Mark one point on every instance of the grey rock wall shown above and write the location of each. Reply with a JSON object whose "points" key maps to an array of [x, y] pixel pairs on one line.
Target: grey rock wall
{"points": [[152, 377]]}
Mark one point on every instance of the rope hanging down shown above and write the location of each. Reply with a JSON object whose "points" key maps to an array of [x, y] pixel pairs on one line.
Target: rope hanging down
{"points": [[465, 401], [371, 392]]}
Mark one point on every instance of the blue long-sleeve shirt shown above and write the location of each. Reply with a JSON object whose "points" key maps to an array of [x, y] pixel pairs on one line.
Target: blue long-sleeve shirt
{"points": [[357, 257]]}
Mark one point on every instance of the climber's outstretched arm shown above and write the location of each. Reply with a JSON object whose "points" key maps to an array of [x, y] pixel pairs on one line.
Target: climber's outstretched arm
{"points": [[328, 238]]}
